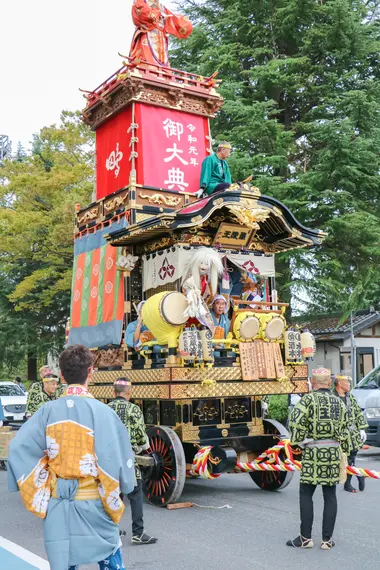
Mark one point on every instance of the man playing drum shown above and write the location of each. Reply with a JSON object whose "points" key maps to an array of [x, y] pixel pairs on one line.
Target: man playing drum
{"points": [[137, 332]]}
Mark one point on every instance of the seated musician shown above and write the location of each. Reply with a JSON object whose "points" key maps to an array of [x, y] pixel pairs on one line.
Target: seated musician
{"points": [[251, 291], [219, 309], [137, 332]]}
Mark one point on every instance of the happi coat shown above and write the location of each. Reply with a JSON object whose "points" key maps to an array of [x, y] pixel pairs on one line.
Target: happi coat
{"points": [[223, 323], [320, 416], [356, 420], [71, 461], [133, 419], [214, 172], [37, 397]]}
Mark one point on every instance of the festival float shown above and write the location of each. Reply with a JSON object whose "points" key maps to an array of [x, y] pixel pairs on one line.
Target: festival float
{"points": [[148, 237]]}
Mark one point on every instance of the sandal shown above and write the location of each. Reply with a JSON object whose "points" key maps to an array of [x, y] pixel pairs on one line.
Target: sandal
{"points": [[300, 542], [327, 544]]}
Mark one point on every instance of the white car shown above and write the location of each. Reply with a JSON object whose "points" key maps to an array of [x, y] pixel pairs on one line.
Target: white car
{"points": [[13, 401]]}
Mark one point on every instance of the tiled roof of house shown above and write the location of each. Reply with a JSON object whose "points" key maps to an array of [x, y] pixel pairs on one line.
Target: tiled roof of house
{"points": [[335, 325]]}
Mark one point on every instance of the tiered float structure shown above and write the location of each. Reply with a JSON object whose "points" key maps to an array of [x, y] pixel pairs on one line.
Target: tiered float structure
{"points": [[152, 133]]}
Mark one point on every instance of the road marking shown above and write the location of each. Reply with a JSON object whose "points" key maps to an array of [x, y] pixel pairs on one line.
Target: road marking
{"points": [[23, 554]]}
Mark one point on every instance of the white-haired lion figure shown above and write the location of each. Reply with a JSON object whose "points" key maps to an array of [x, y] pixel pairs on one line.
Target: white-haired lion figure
{"points": [[205, 267]]}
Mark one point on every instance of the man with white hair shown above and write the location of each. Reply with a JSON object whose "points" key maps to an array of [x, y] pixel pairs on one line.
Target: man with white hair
{"points": [[357, 425], [319, 426], [133, 419]]}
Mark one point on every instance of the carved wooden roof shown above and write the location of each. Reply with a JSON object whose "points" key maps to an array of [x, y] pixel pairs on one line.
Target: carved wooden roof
{"points": [[273, 227], [163, 86]]}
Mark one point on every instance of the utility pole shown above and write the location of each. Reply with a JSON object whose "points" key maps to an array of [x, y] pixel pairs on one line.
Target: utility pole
{"points": [[5, 147], [353, 353]]}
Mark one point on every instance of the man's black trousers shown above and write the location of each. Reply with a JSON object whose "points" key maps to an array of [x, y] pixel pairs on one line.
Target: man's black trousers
{"points": [[307, 511], [136, 501]]}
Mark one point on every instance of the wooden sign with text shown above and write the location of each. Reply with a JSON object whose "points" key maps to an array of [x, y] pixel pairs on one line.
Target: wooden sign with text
{"points": [[232, 234], [269, 360], [259, 349], [278, 362], [248, 361]]}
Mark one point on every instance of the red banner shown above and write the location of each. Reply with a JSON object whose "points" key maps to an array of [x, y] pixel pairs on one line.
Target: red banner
{"points": [[171, 148], [112, 154]]}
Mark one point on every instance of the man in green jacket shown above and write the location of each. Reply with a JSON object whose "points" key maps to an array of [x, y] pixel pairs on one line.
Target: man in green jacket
{"points": [[357, 425], [319, 426], [133, 419], [215, 175]]}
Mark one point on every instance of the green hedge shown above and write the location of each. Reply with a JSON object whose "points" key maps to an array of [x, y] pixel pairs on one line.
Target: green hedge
{"points": [[278, 408]]}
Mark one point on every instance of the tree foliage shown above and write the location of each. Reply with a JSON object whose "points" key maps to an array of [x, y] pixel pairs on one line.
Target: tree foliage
{"points": [[38, 194], [302, 110]]}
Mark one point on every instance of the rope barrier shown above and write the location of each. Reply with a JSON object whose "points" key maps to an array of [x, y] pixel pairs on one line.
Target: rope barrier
{"points": [[269, 460]]}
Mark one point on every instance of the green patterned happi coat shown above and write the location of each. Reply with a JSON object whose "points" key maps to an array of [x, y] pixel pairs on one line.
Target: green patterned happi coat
{"points": [[133, 419], [320, 416], [37, 397], [356, 420]]}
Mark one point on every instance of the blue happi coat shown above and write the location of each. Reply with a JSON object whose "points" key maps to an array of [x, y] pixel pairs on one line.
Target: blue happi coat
{"points": [[71, 461]]}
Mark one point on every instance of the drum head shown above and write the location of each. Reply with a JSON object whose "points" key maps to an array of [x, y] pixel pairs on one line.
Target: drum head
{"points": [[249, 327], [173, 306], [275, 328]]}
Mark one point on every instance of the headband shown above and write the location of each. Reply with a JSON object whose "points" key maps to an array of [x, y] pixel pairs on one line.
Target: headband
{"points": [[122, 383], [50, 378], [220, 298], [343, 377], [225, 145], [321, 372]]}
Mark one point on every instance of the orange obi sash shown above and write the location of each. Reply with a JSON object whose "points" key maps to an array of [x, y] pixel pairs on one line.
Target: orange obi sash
{"points": [[219, 333]]}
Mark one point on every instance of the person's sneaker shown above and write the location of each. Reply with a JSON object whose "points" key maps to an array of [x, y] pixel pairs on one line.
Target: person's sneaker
{"points": [[143, 539], [300, 542], [327, 544]]}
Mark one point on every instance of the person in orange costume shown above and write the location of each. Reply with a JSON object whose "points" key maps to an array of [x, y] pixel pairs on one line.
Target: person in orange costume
{"points": [[153, 24]]}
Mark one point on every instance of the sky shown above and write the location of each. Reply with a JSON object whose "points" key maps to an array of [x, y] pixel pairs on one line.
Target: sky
{"points": [[50, 50]]}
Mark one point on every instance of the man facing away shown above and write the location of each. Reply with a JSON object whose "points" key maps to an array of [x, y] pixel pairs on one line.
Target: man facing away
{"points": [[319, 426], [357, 425], [71, 461], [215, 174], [133, 419]]}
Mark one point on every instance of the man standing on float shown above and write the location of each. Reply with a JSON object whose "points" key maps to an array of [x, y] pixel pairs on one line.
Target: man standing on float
{"points": [[215, 175]]}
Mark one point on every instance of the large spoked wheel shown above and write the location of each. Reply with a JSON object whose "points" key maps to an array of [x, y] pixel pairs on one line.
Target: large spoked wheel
{"points": [[163, 482], [273, 480]]}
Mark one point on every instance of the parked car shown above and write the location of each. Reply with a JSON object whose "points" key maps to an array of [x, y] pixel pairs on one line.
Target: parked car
{"points": [[13, 401], [367, 393]]}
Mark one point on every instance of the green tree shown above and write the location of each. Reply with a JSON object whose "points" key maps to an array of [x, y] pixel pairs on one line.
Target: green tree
{"points": [[302, 110], [37, 205]]}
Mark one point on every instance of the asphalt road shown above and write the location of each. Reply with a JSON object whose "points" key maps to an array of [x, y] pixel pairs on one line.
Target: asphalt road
{"points": [[250, 535]]}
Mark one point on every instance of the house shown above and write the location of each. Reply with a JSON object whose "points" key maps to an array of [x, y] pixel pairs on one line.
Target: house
{"points": [[333, 342]]}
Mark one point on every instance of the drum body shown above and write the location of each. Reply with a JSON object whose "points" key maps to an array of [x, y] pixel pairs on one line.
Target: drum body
{"points": [[246, 326], [172, 308], [163, 314], [272, 327]]}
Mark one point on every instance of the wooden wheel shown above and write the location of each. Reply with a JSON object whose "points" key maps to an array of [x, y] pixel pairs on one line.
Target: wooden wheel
{"points": [[163, 482], [273, 480]]}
